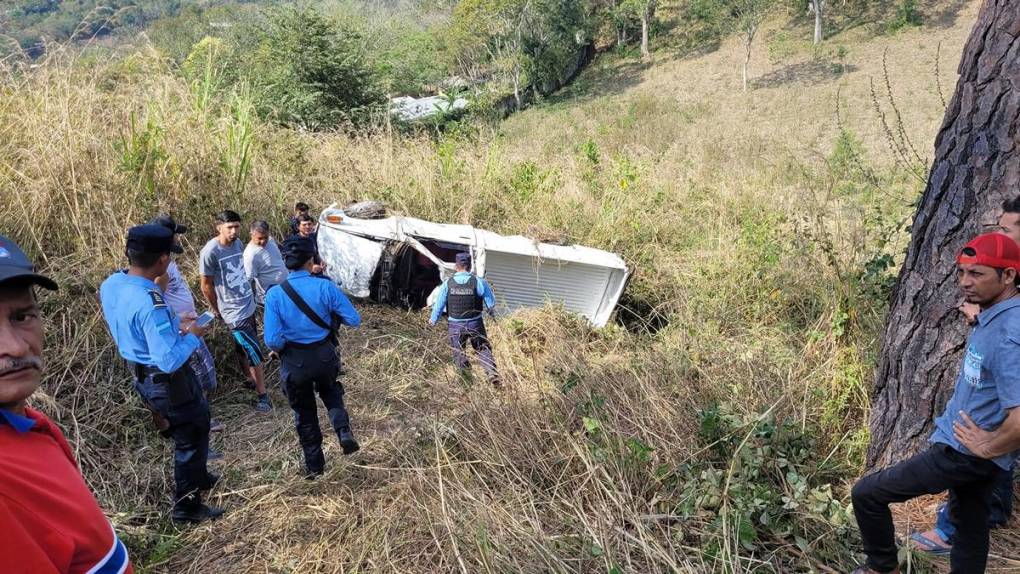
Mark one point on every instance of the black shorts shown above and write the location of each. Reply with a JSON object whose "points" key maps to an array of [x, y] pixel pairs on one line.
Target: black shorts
{"points": [[246, 340]]}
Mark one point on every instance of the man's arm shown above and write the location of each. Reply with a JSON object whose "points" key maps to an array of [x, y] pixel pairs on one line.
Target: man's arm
{"points": [[163, 281], [168, 348], [273, 327], [248, 259], [440, 305], [989, 444], [209, 290], [485, 292], [343, 307]]}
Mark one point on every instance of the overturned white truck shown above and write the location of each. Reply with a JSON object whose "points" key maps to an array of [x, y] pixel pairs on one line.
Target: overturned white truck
{"points": [[402, 260]]}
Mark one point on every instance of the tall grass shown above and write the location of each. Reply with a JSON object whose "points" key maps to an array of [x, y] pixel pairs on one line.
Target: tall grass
{"points": [[759, 284]]}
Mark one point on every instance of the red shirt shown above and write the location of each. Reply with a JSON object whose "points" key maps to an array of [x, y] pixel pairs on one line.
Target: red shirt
{"points": [[49, 520]]}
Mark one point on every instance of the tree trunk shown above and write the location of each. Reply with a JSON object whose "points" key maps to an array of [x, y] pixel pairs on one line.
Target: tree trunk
{"points": [[645, 17], [977, 165], [747, 56], [818, 6]]}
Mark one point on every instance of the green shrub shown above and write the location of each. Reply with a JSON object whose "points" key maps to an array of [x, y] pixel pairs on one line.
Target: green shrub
{"points": [[907, 15], [305, 70]]}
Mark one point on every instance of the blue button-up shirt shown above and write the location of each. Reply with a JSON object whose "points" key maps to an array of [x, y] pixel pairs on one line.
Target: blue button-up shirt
{"points": [[285, 323], [462, 277], [18, 423], [989, 381], [144, 328]]}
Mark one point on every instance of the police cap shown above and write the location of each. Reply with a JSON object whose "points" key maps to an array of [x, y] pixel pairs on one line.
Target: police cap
{"points": [[152, 239], [297, 250], [463, 259], [15, 265], [169, 223]]}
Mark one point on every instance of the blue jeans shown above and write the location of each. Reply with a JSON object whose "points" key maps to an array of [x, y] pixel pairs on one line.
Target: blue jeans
{"points": [[1001, 509]]}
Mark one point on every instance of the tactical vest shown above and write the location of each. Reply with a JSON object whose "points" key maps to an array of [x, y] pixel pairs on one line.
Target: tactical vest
{"points": [[462, 301]]}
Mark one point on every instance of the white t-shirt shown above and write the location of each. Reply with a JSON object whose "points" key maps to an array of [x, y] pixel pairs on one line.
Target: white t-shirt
{"points": [[178, 295], [264, 266]]}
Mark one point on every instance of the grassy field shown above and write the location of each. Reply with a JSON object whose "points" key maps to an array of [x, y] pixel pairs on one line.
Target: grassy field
{"points": [[717, 429]]}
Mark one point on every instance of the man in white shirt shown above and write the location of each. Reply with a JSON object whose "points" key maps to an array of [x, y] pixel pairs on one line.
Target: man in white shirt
{"points": [[179, 297], [263, 262]]}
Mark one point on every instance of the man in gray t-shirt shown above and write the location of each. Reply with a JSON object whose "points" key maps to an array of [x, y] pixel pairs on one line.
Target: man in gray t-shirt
{"points": [[263, 263], [228, 290]]}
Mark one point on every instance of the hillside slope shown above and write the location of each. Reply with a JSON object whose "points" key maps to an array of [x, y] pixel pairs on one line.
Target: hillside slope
{"points": [[762, 230]]}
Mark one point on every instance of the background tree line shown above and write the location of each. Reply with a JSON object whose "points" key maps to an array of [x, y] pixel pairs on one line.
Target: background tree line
{"points": [[334, 63]]}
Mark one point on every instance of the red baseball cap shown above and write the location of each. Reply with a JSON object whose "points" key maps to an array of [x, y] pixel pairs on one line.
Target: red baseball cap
{"points": [[993, 250]]}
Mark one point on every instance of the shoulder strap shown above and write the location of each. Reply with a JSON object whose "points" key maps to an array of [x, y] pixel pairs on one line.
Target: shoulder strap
{"points": [[289, 290]]}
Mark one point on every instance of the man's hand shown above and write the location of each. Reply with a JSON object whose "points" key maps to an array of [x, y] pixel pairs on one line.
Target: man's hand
{"points": [[970, 311], [973, 437], [196, 330]]}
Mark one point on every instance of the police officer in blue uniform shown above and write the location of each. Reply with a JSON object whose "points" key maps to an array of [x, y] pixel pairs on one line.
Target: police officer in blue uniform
{"points": [[149, 337], [464, 298], [302, 317]]}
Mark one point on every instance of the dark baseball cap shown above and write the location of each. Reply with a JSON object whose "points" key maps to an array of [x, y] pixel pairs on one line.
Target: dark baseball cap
{"points": [[14, 264], [297, 250], [463, 259], [152, 238], [169, 223]]}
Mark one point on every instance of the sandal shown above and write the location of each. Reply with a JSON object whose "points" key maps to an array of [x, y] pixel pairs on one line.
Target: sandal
{"points": [[918, 541]]}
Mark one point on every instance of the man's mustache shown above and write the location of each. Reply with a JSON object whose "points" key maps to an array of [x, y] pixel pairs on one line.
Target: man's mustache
{"points": [[12, 365]]}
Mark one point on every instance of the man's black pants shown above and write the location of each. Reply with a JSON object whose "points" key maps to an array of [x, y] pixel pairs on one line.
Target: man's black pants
{"points": [[187, 411], [969, 480], [305, 371]]}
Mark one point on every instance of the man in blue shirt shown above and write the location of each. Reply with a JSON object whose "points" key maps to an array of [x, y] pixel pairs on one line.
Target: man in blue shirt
{"points": [[302, 315], [464, 298], [977, 438], [157, 348], [938, 541]]}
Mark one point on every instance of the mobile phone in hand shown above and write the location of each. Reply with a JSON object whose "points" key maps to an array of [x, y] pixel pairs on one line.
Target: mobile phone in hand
{"points": [[205, 319]]}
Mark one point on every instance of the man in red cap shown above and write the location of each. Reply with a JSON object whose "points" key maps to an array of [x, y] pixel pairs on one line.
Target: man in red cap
{"points": [[49, 520], [977, 438]]}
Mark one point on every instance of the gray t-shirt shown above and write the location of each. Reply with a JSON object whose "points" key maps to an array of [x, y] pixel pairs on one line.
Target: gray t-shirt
{"points": [[264, 266], [178, 295], [233, 289]]}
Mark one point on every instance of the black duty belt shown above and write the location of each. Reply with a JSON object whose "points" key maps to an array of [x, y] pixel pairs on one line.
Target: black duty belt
{"points": [[141, 371], [294, 345], [178, 383]]}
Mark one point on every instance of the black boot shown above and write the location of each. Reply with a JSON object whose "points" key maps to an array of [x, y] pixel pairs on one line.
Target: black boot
{"points": [[191, 510], [348, 442], [211, 480]]}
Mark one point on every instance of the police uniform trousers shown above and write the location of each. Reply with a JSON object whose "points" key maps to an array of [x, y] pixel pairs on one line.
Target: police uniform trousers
{"points": [[178, 398], [471, 332], [304, 371]]}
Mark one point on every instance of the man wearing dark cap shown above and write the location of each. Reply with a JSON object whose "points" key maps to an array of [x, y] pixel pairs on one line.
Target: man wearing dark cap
{"points": [[148, 336], [977, 438], [49, 519], [464, 297], [181, 300], [302, 317]]}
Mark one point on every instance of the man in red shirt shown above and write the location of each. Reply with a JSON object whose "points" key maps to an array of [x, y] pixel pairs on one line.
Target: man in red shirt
{"points": [[50, 523]]}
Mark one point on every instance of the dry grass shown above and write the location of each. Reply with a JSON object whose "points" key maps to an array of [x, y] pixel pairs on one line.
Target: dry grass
{"points": [[743, 237]]}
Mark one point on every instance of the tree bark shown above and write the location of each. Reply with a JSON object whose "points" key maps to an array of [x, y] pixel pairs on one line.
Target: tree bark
{"points": [[818, 6], [977, 166]]}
